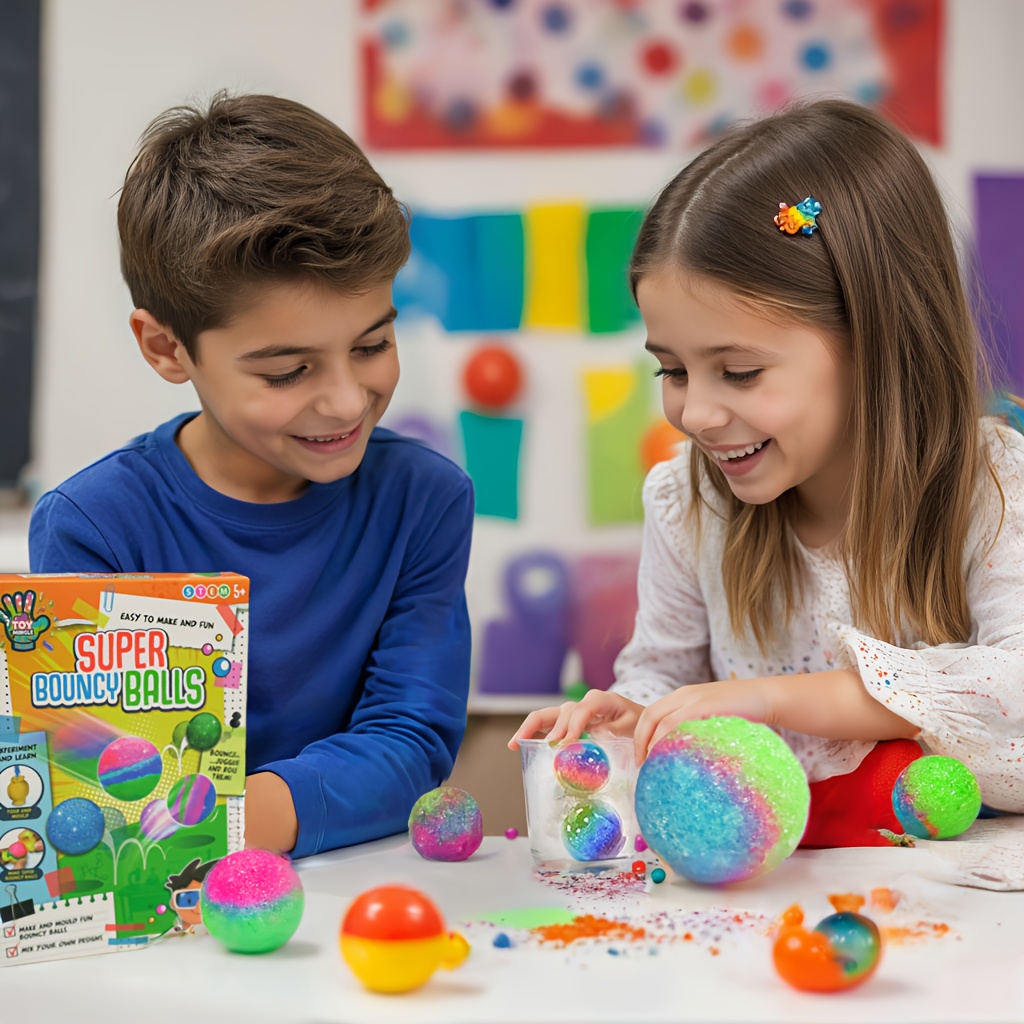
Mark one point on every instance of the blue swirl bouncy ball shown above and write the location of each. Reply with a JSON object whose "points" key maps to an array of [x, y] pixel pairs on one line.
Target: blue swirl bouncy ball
{"points": [[592, 831], [75, 825], [722, 799]]}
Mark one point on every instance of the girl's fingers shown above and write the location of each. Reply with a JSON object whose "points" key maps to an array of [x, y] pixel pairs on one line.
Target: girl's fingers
{"points": [[560, 729], [536, 721]]}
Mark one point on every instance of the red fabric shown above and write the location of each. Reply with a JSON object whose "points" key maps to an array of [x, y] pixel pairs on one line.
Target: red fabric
{"points": [[848, 810]]}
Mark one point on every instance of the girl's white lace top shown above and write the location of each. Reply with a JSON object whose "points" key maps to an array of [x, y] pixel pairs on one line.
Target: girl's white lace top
{"points": [[967, 699]]}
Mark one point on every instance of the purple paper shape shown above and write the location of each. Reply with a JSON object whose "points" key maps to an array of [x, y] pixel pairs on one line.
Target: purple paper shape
{"points": [[604, 607], [525, 651], [999, 227]]}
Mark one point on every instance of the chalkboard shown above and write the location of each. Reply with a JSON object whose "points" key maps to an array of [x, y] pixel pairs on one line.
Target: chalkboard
{"points": [[19, 227]]}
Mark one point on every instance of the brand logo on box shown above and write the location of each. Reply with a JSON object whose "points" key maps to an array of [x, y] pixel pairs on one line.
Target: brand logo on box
{"points": [[22, 626], [202, 592]]}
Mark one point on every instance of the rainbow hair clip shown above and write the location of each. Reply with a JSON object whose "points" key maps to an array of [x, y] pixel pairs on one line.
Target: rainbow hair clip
{"points": [[801, 217]]}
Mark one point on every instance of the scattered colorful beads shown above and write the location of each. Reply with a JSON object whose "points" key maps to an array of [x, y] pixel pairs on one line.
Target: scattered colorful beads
{"points": [[658, 876], [936, 797], [511, 833], [446, 824], [639, 844], [639, 867], [722, 800]]}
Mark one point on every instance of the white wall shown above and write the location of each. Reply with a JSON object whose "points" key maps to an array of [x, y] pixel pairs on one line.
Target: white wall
{"points": [[111, 65]]}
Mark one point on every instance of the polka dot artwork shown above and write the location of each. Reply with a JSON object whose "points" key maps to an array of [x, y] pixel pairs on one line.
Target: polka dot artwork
{"points": [[842, 951], [75, 825], [129, 768], [221, 667], [192, 799], [203, 731], [113, 819], [592, 831], [446, 824], [207, 649], [582, 768], [252, 901], [722, 799], [155, 821], [936, 797]]}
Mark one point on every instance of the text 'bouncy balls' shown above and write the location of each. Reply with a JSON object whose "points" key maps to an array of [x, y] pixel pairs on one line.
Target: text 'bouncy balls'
{"points": [[722, 800], [252, 901]]}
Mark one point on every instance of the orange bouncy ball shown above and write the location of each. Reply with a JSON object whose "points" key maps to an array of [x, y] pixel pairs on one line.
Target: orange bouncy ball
{"points": [[842, 951], [493, 376], [393, 938], [659, 444]]}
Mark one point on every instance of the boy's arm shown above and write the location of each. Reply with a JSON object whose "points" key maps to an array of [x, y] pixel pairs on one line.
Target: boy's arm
{"points": [[407, 725], [62, 538]]}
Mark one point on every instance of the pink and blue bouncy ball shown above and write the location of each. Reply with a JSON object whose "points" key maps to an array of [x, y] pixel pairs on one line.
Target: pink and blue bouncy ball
{"points": [[75, 825], [936, 797], [252, 901], [129, 768], [446, 824], [592, 831], [722, 799], [582, 768]]}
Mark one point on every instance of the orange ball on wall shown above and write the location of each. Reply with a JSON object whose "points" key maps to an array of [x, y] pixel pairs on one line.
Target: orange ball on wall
{"points": [[493, 376]]}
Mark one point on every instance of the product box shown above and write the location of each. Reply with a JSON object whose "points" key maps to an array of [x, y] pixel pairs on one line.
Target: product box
{"points": [[122, 755]]}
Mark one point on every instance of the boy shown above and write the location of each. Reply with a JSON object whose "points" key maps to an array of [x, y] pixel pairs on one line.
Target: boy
{"points": [[260, 246]]}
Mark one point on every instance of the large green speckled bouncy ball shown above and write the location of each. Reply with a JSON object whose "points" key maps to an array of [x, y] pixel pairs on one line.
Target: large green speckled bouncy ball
{"points": [[936, 797]]}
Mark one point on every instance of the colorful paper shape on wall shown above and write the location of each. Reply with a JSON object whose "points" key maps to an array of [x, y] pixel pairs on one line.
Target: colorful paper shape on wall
{"points": [[556, 267], [999, 232], [524, 651], [637, 73], [554, 237], [491, 445], [618, 408], [611, 235], [604, 605]]}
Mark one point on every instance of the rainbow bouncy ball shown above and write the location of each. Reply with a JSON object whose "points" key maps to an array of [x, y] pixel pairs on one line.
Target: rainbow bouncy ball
{"points": [[841, 952], [721, 800], [129, 768], [592, 831], [155, 821], [446, 824], [192, 799], [75, 825], [252, 901], [394, 938], [582, 768], [936, 797]]}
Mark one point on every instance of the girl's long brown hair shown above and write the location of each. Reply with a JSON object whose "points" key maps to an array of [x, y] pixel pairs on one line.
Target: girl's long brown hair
{"points": [[881, 274]]}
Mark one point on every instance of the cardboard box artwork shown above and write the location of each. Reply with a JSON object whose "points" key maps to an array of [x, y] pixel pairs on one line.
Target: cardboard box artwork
{"points": [[122, 755]]}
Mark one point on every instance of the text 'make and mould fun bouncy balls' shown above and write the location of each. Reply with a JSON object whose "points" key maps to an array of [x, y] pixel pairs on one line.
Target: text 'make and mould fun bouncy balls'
{"points": [[446, 824], [936, 797], [252, 901], [393, 938], [722, 800]]}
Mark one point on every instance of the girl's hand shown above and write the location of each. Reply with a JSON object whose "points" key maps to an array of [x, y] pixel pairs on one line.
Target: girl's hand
{"points": [[752, 699], [608, 712]]}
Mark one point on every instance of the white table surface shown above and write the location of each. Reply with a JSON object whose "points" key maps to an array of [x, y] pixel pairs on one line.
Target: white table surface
{"points": [[974, 973]]}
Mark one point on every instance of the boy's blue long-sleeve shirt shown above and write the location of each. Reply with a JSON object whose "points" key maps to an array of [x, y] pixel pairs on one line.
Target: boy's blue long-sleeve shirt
{"points": [[358, 656]]}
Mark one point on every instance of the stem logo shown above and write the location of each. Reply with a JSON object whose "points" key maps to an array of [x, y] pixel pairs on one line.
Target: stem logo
{"points": [[202, 592], [21, 624]]}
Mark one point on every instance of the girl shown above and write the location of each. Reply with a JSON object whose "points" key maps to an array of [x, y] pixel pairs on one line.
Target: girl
{"points": [[838, 549]]}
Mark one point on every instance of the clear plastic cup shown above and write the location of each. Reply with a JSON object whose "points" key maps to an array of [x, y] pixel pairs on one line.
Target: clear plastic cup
{"points": [[577, 814]]}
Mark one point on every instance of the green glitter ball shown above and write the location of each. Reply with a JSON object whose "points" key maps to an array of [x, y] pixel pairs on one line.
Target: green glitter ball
{"points": [[203, 731], [936, 797]]}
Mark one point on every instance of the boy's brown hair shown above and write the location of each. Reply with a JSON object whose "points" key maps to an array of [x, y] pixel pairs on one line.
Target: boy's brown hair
{"points": [[880, 275], [253, 189]]}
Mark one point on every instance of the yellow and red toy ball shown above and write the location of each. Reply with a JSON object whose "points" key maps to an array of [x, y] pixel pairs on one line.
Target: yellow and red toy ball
{"points": [[393, 938]]}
